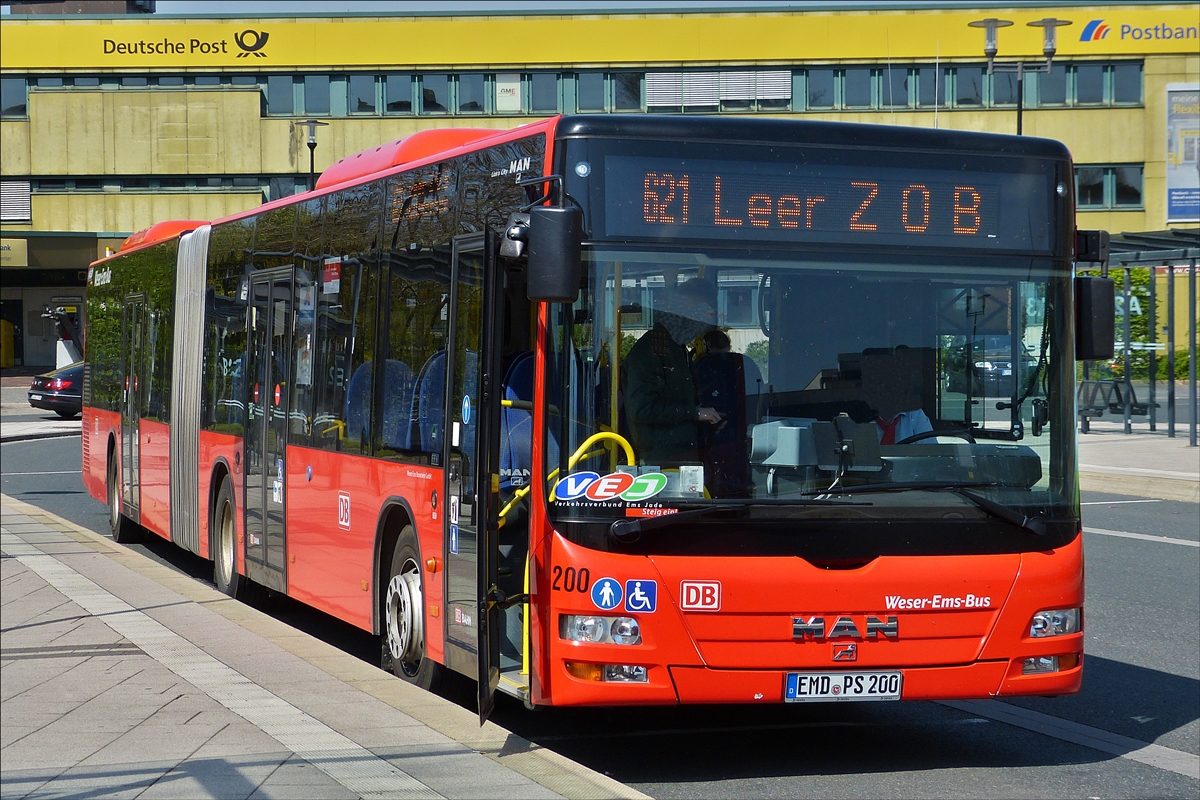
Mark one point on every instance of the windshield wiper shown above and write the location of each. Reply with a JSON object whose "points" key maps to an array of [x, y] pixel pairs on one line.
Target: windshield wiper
{"points": [[627, 530], [1034, 525]]}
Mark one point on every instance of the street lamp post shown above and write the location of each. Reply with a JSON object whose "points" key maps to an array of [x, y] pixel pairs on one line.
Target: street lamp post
{"points": [[312, 125], [990, 49]]}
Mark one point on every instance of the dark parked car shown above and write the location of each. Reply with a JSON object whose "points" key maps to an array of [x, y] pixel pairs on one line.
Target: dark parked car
{"points": [[992, 367], [60, 391]]}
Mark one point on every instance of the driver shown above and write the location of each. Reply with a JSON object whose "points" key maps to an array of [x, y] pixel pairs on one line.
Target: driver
{"points": [[891, 386], [660, 389]]}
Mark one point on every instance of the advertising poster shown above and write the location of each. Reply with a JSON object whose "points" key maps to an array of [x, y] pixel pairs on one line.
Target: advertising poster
{"points": [[1183, 140]]}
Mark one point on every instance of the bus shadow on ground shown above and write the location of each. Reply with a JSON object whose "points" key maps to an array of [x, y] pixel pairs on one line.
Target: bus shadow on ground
{"points": [[1133, 701]]}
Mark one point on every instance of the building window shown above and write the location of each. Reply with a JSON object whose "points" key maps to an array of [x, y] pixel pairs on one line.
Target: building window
{"points": [[316, 94], [207, 80], [856, 87], [471, 93], [1127, 83], [398, 94], [13, 98], [362, 94], [820, 88], [896, 81], [81, 80], [56, 83], [435, 94], [133, 82], [244, 80], [543, 93], [280, 97], [1100, 187], [170, 80], [1089, 84], [931, 86], [1052, 88], [589, 91], [627, 91], [968, 86], [1004, 89]]}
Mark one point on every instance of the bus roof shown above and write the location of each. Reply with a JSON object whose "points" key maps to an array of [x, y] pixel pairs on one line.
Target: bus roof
{"points": [[842, 134]]}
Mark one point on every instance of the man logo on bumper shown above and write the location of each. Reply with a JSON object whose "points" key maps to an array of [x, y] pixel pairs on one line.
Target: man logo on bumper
{"points": [[845, 652], [843, 628]]}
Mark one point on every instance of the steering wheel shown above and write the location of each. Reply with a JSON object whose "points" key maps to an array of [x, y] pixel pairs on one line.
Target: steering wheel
{"points": [[958, 432]]}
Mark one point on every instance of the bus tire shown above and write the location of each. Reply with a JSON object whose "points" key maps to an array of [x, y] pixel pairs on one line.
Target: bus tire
{"points": [[124, 530], [224, 543], [404, 618]]}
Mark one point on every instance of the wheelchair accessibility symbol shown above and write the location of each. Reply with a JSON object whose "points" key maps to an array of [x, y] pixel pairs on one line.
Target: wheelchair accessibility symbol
{"points": [[641, 595], [606, 594]]}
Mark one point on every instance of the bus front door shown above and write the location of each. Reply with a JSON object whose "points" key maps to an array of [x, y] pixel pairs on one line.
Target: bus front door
{"points": [[267, 427], [472, 412], [133, 334]]}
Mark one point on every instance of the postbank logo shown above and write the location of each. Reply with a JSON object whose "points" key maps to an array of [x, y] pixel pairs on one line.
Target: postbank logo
{"points": [[1098, 29], [1094, 31]]}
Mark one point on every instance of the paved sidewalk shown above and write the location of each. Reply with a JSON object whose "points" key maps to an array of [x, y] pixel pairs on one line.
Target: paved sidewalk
{"points": [[123, 678], [1144, 464]]}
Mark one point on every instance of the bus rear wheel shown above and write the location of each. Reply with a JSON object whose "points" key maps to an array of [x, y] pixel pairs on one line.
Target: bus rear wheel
{"points": [[124, 530], [404, 618], [224, 543]]}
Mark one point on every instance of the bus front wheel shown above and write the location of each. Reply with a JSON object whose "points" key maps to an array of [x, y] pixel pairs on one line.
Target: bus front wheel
{"points": [[404, 617], [224, 543], [124, 530]]}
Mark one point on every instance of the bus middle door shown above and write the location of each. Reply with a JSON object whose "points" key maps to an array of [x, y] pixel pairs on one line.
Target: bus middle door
{"points": [[268, 367], [133, 324], [473, 624]]}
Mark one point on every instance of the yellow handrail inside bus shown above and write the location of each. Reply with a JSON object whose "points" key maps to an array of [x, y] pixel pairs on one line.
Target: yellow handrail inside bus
{"points": [[525, 623], [580, 454]]}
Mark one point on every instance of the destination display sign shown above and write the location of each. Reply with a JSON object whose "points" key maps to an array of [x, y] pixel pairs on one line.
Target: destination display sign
{"points": [[680, 198]]}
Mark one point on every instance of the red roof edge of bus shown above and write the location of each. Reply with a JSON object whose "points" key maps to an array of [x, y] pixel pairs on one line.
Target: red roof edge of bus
{"points": [[402, 151], [160, 232]]}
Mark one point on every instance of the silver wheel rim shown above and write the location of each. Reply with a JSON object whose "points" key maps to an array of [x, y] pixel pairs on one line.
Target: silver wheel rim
{"points": [[405, 633], [225, 545], [114, 502]]}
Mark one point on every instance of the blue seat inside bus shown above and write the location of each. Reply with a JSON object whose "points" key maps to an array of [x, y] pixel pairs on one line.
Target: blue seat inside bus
{"points": [[396, 425], [395, 417], [429, 400], [516, 425], [358, 401]]}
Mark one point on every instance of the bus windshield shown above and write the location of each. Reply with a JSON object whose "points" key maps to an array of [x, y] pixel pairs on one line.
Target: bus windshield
{"points": [[775, 401]]}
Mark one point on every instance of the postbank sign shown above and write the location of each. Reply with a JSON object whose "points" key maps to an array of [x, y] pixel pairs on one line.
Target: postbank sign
{"points": [[30, 43]]}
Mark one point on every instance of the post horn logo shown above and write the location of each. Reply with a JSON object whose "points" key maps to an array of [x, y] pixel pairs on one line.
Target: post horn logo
{"points": [[251, 42]]}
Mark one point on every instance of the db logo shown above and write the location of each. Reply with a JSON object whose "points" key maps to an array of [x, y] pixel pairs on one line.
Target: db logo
{"points": [[343, 510], [700, 595]]}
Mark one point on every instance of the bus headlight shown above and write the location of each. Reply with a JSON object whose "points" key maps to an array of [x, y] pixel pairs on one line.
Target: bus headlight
{"points": [[1056, 622], [606, 630], [625, 630]]}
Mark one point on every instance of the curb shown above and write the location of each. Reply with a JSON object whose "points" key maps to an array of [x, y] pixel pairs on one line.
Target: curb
{"points": [[1141, 486], [25, 437], [546, 767]]}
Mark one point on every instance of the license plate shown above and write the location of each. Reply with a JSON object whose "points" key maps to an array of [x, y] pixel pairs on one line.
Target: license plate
{"points": [[829, 687], [35, 397]]}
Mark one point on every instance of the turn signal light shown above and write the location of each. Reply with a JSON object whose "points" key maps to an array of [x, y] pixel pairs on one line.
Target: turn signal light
{"points": [[608, 673]]}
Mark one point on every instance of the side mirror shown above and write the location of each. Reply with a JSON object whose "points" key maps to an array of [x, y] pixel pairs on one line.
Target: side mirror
{"points": [[1095, 318], [555, 264]]}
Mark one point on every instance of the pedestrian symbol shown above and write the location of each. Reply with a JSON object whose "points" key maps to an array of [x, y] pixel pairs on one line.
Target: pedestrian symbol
{"points": [[641, 595], [606, 594]]}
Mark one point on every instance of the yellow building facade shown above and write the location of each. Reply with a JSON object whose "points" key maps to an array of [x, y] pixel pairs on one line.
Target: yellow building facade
{"points": [[109, 124]]}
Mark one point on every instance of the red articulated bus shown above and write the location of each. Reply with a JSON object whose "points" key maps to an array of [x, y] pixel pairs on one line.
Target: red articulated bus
{"points": [[628, 410]]}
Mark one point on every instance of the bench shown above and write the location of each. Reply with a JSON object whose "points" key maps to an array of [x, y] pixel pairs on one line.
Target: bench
{"points": [[1095, 397]]}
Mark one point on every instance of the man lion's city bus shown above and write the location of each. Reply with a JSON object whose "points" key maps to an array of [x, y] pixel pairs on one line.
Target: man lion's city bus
{"points": [[414, 398]]}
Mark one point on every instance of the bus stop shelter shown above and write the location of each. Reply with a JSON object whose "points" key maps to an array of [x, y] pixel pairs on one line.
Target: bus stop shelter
{"points": [[1169, 254]]}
